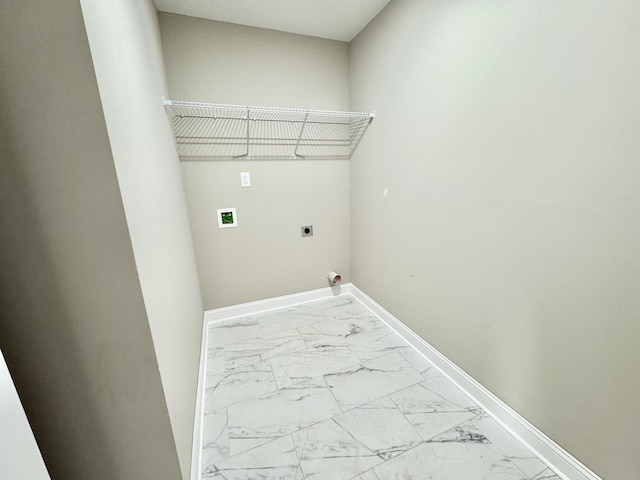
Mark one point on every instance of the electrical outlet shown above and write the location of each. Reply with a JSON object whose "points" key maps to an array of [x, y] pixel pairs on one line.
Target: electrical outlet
{"points": [[245, 179], [306, 230]]}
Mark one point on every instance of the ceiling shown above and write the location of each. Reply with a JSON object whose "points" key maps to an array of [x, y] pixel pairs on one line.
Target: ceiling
{"points": [[333, 19]]}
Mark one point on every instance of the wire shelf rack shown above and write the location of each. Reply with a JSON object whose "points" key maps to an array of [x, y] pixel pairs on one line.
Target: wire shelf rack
{"points": [[206, 131]]}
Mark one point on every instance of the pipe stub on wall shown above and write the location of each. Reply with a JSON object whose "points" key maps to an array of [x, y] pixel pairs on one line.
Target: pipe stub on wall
{"points": [[334, 279]]}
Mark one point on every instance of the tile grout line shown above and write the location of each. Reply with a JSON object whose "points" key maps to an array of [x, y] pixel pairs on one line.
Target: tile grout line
{"points": [[295, 450]]}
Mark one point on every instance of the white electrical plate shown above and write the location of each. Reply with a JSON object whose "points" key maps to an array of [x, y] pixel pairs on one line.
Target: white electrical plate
{"points": [[245, 179], [227, 218]]}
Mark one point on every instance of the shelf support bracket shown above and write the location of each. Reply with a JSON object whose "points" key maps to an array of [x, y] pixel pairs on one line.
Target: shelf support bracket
{"points": [[248, 137], [304, 123]]}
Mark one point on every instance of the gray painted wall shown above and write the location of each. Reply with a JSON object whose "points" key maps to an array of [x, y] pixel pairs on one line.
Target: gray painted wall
{"points": [[265, 256], [73, 325], [507, 137], [125, 45]]}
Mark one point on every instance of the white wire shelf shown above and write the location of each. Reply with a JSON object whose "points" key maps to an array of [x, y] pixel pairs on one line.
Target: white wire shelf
{"points": [[206, 131]]}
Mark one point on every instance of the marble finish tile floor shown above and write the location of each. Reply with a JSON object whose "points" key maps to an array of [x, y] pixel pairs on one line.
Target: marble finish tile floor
{"points": [[326, 391]]}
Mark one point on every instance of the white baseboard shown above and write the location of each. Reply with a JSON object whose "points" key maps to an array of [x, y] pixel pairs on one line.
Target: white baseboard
{"points": [[260, 306], [196, 452], [561, 461], [564, 464]]}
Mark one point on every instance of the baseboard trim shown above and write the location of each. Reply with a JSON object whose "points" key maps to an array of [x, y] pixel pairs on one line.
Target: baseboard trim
{"points": [[261, 306], [561, 461], [196, 452]]}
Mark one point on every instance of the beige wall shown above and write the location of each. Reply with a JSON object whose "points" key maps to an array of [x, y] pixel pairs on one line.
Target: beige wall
{"points": [[125, 45], [265, 256], [507, 137], [73, 325]]}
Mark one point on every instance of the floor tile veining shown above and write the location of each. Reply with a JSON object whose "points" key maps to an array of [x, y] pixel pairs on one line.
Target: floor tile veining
{"points": [[326, 391]]}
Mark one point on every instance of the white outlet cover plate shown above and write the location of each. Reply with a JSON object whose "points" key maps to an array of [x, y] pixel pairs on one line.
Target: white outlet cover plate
{"points": [[245, 179]]}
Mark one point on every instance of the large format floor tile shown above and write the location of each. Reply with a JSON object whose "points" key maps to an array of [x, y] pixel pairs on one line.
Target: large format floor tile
{"points": [[326, 391]]}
